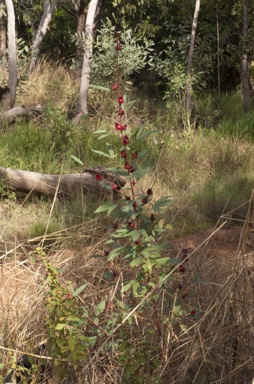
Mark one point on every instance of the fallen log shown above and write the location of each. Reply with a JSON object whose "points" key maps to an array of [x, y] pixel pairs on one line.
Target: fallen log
{"points": [[63, 185], [11, 115]]}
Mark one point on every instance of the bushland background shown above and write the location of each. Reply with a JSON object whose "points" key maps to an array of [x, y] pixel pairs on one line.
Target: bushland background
{"points": [[202, 156]]}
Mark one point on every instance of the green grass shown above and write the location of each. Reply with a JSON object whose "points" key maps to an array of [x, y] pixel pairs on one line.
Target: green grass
{"points": [[206, 171]]}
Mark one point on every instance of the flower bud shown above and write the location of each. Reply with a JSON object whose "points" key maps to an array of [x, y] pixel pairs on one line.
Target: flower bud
{"points": [[115, 86], [181, 268], [123, 153], [125, 140], [120, 100], [144, 200], [98, 177], [114, 186], [120, 111]]}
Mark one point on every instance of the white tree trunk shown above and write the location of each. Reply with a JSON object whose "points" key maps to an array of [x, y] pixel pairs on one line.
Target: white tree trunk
{"points": [[12, 83], [190, 57], [48, 10], [82, 108]]}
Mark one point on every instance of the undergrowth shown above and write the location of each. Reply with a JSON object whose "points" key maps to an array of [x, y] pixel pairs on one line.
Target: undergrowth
{"points": [[110, 295]]}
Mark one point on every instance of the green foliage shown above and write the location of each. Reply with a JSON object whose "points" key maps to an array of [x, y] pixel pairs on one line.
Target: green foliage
{"points": [[133, 57], [65, 322], [139, 360]]}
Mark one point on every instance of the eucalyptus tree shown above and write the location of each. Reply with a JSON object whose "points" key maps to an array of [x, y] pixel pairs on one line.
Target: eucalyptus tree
{"points": [[82, 108], [12, 51], [3, 36], [190, 59], [245, 64], [48, 10]]}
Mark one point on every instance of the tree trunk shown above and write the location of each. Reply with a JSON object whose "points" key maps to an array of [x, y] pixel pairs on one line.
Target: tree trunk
{"points": [[218, 50], [245, 65], [190, 57], [82, 10], [63, 185], [48, 10], [2, 31], [12, 82], [10, 115], [82, 108]]}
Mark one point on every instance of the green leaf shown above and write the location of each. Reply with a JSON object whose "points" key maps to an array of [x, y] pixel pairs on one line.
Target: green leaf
{"points": [[115, 253], [161, 203], [135, 287], [100, 131], [60, 326], [106, 185], [142, 135], [103, 136], [100, 308], [79, 290], [73, 318], [118, 171], [99, 87], [136, 262], [72, 344], [135, 235], [106, 207], [77, 159], [2, 365], [128, 285], [110, 156], [143, 153], [177, 310]]}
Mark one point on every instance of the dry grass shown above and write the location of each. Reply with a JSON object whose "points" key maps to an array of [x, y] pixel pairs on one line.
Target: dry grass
{"points": [[50, 82], [216, 346]]}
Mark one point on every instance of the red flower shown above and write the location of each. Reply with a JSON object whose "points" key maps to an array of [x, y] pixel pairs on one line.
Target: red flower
{"points": [[98, 177], [185, 250], [120, 111], [106, 253], [125, 140], [193, 312], [69, 295], [131, 168], [118, 47], [126, 166], [134, 155], [149, 192], [120, 100], [120, 127], [131, 225], [123, 153], [134, 205], [115, 86]]}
